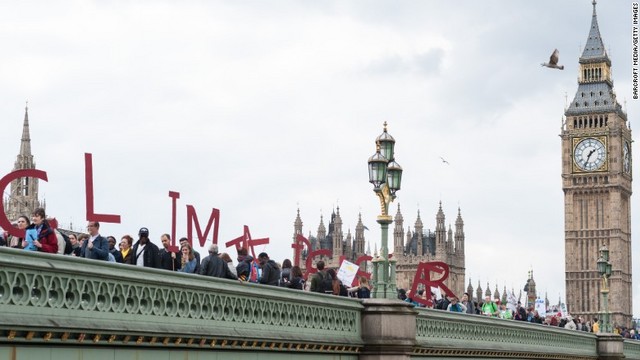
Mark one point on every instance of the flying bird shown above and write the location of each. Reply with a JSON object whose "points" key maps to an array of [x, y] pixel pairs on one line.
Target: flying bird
{"points": [[553, 61], [444, 161]]}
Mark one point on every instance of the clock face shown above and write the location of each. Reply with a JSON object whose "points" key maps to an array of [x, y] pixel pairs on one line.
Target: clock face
{"points": [[589, 154], [626, 157]]}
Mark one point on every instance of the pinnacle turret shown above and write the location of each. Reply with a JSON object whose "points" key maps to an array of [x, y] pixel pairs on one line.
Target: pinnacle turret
{"points": [[25, 142]]}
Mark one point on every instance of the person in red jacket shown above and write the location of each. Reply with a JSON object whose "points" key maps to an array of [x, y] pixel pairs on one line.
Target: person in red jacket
{"points": [[47, 240]]}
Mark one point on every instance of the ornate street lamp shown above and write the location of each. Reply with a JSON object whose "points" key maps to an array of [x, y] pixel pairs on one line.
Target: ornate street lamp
{"points": [[386, 175], [604, 269]]}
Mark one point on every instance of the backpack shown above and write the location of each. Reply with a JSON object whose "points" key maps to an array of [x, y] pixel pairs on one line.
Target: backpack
{"points": [[254, 273], [68, 248], [326, 283]]}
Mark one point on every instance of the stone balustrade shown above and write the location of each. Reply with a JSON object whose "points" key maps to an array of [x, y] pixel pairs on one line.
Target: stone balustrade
{"points": [[67, 307]]}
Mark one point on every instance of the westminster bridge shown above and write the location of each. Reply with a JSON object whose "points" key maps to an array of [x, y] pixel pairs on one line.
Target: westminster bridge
{"points": [[60, 307]]}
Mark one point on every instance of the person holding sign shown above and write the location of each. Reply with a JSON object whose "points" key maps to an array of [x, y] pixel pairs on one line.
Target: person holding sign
{"points": [[40, 234]]}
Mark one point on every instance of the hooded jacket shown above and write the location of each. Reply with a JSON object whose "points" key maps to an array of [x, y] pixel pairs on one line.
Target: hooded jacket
{"points": [[270, 274]]}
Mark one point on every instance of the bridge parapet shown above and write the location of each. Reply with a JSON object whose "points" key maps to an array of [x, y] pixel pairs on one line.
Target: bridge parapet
{"points": [[59, 307], [441, 333], [631, 349], [64, 300]]}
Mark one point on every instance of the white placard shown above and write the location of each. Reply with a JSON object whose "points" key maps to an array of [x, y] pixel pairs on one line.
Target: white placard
{"points": [[437, 291], [541, 308], [347, 272]]}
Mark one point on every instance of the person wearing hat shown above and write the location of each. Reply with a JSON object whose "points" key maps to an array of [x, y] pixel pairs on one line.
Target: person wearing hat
{"points": [[270, 270], [145, 253]]}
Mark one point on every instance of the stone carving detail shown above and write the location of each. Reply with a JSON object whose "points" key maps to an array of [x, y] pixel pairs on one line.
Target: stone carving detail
{"points": [[451, 328], [109, 294]]}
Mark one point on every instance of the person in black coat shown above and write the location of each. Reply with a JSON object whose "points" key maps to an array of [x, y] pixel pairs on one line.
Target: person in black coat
{"points": [[243, 269], [296, 280], [145, 253], [112, 249], [270, 270], [214, 266], [169, 260]]}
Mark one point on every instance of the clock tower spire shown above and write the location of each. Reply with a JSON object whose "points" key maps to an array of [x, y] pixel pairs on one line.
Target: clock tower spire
{"points": [[596, 180]]}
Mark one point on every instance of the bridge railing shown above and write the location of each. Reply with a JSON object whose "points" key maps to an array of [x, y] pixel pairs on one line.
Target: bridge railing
{"points": [[57, 299], [441, 333], [61, 302], [631, 349]]}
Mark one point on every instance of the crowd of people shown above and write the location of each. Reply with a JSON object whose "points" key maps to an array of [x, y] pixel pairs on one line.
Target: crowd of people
{"points": [[496, 308], [262, 270], [145, 253]]}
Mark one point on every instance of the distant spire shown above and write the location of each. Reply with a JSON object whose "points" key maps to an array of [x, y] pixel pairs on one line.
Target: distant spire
{"points": [[418, 221], [298, 220], [440, 215], [398, 217], [25, 144]]}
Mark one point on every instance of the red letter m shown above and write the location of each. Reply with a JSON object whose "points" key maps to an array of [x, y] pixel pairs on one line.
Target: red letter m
{"points": [[192, 218]]}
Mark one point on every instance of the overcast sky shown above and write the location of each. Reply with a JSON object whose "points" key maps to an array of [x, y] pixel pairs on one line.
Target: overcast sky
{"points": [[258, 108]]}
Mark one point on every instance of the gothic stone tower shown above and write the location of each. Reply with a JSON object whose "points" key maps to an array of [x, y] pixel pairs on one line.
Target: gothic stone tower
{"points": [[596, 180], [23, 198], [424, 246]]}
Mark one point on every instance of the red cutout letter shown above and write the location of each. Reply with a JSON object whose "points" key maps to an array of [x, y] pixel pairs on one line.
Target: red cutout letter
{"points": [[88, 182], [245, 241], [423, 276], [192, 218], [4, 182], [174, 197], [298, 247]]}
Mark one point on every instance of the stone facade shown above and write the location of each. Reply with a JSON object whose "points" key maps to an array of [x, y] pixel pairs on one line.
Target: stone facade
{"points": [[596, 180], [23, 196], [409, 247]]}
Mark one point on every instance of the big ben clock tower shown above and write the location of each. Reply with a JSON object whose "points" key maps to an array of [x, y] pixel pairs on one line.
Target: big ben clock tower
{"points": [[596, 179]]}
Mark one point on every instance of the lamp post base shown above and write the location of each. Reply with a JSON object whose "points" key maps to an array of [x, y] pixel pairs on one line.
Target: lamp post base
{"points": [[384, 270]]}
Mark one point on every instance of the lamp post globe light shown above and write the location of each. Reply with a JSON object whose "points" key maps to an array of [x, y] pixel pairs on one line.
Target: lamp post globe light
{"points": [[386, 175], [604, 269]]}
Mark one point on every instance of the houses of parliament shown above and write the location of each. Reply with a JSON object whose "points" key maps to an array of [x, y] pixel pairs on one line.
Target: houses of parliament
{"points": [[410, 247]]}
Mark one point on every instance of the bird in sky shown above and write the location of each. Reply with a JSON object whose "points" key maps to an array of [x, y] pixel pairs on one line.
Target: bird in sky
{"points": [[444, 161], [553, 61]]}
